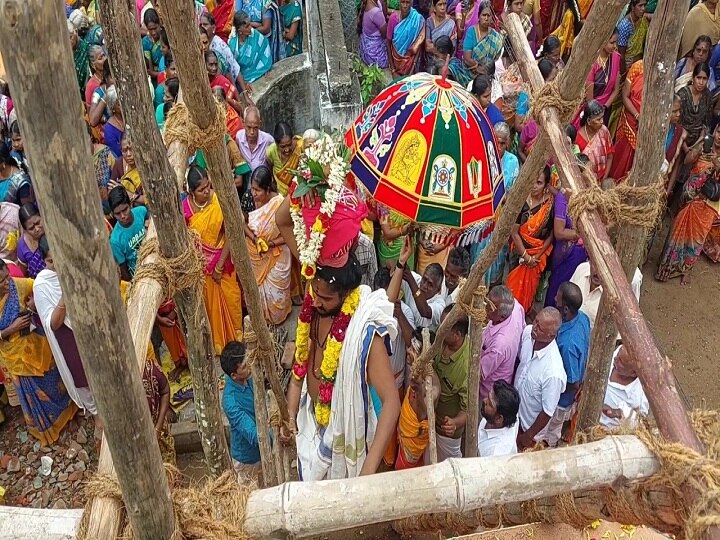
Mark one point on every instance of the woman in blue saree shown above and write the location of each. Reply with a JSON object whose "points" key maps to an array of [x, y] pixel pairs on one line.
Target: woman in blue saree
{"points": [[265, 18], [405, 35], [291, 13], [26, 355], [250, 48], [482, 40]]}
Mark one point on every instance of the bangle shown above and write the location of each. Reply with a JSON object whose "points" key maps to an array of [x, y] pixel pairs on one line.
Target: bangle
{"points": [[218, 268], [418, 293], [400, 265], [1, 336]]}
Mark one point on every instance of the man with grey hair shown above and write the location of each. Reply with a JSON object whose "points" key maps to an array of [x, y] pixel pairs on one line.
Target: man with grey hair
{"points": [[540, 378], [500, 338], [251, 140]]}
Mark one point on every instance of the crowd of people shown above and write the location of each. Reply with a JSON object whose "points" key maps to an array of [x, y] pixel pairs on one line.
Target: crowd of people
{"points": [[378, 282]]}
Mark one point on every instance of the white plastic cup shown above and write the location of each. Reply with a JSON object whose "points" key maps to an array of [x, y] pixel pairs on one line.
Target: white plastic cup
{"points": [[45, 465]]}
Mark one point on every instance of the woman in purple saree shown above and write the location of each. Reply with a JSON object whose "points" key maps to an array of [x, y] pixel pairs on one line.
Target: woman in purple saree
{"points": [[371, 27]]}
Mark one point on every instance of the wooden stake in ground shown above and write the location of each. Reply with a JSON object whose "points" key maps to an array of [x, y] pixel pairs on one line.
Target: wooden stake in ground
{"points": [[660, 53], [179, 17], [128, 66], [473, 413], [57, 144]]}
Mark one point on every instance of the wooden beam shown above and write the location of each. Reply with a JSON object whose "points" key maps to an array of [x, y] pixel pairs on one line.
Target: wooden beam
{"points": [[179, 18], [303, 509], [57, 144], [473, 412], [160, 184], [654, 370], [660, 53]]}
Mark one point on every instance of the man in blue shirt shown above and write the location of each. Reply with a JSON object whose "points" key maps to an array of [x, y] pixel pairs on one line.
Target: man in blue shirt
{"points": [[129, 231], [573, 341], [239, 406]]}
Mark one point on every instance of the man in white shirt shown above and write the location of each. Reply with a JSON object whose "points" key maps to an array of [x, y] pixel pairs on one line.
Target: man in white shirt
{"points": [[422, 294], [588, 280], [498, 430], [540, 377], [625, 399], [456, 269]]}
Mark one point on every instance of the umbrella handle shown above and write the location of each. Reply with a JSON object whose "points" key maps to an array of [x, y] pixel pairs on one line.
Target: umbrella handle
{"points": [[445, 67]]}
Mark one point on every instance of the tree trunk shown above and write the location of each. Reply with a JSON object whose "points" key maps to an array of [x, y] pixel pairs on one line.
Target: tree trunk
{"points": [[159, 183], [657, 103], [473, 413], [64, 180], [182, 32]]}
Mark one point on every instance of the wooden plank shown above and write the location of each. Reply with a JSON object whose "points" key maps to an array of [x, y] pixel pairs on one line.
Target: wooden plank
{"points": [[473, 412]]}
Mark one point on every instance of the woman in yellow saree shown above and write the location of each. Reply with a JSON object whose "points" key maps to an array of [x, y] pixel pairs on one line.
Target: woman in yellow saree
{"points": [[284, 156], [221, 290], [571, 23], [26, 356], [532, 240], [269, 255]]}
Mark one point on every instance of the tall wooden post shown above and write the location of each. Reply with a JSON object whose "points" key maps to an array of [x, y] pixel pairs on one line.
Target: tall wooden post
{"points": [[179, 17], [657, 103], [473, 413], [159, 181], [57, 144]]}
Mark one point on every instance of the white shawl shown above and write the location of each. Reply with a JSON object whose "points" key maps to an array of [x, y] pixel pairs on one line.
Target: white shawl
{"points": [[47, 294]]}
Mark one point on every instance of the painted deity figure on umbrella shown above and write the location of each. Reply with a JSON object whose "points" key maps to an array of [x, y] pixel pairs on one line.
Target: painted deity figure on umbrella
{"points": [[342, 393]]}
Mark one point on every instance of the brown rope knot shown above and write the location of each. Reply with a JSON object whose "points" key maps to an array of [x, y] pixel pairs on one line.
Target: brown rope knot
{"points": [[549, 97], [623, 204], [476, 309], [173, 273], [179, 127]]}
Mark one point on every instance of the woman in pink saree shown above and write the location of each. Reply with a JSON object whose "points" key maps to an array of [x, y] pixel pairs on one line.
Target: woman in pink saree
{"points": [[594, 140], [269, 255]]}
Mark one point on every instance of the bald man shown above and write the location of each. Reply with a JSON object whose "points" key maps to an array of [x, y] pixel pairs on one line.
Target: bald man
{"points": [[540, 377], [252, 141]]}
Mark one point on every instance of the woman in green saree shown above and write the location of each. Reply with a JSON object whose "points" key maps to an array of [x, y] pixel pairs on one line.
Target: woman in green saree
{"points": [[291, 15]]}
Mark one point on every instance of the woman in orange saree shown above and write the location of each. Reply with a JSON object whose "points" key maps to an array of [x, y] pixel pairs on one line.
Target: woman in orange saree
{"points": [[269, 255], [221, 290], [532, 241], [626, 135]]}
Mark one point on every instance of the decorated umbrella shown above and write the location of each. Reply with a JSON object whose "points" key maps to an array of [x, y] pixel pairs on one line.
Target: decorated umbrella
{"points": [[425, 150]]}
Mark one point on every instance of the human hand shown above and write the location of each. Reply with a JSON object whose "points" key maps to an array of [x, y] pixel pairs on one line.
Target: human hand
{"points": [[448, 427], [408, 276], [531, 261], [21, 323], [288, 432], [165, 321], [217, 275], [612, 413], [524, 440], [407, 250]]}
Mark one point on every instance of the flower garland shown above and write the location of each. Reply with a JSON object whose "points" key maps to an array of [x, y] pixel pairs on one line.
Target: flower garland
{"points": [[322, 168], [331, 356]]}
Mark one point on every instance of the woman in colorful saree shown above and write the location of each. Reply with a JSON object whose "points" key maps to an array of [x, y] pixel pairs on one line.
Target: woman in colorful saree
{"points": [[125, 173], [594, 139], [291, 14], [372, 27], [691, 225], [700, 54], [405, 37], [603, 81], [482, 40], [14, 181], [265, 18], [222, 11], [151, 44], [697, 105], [250, 48], [284, 155], [26, 356], [80, 56], [269, 255], [571, 24], [28, 248], [632, 31], [221, 290], [532, 242], [218, 80], [438, 24], [627, 129]]}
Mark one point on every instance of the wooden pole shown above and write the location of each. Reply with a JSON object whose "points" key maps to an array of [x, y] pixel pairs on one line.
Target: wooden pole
{"points": [[57, 144], [302, 509], [654, 370], [473, 413], [261, 412], [429, 400], [661, 51], [159, 182], [179, 17]]}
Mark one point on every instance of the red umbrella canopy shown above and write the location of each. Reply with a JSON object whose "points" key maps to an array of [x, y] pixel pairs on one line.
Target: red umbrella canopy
{"points": [[425, 149]]}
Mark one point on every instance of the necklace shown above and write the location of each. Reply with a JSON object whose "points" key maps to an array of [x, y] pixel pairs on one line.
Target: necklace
{"points": [[199, 206]]}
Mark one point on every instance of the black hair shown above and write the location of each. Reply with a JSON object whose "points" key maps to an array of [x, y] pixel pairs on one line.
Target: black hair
{"points": [[344, 279], [480, 85], [173, 86], [381, 279], [262, 176], [546, 68], [5, 157], [487, 64], [27, 211], [701, 67], [507, 401], [550, 44], [571, 132], [106, 74], [460, 257], [166, 109], [592, 109], [282, 130], [196, 176], [164, 37], [117, 196], [583, 159], [240, 19], [571, 295], [203, 31], [435, 270], [444, 45], [169, 59], [547, 172], [209, 17], [151, 16], [44, 246], [15, 128], [3, 265], [463, 323], [232, 356]]}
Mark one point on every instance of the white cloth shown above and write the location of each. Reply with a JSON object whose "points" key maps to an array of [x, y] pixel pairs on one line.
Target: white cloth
{"points": [[497, 442], [449, 297], [540, 380], [399, 350], [436, 303], [331, 453], [629, 398], [553, 430], [47, 294], [591, 299], [446, 448]]}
